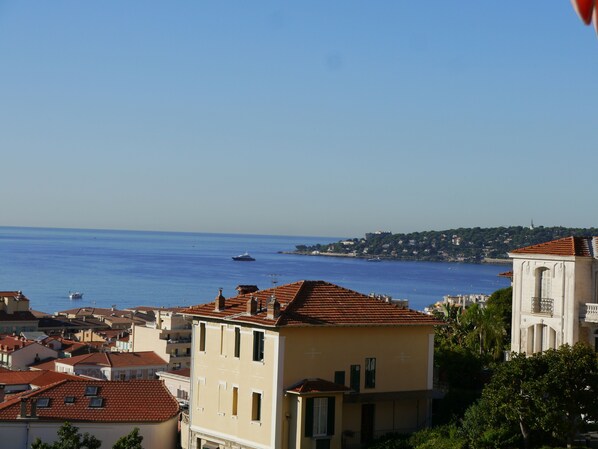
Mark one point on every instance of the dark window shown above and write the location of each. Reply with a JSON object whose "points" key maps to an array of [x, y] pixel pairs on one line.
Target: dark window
{"points": [[355, 379], [319, 417], [339, 377], [256, 406], [43, 402], [258, 346], [367, 423], [370, 373], [237, 342], [202, 336], [96, 402], [91, 390], [69, 399]]}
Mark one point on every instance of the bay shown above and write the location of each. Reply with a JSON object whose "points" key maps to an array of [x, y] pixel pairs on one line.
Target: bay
{"points": [[135, 268]]}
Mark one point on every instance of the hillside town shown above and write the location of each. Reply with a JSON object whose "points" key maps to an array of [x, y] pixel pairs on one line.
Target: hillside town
{"points": [[293, 366]]}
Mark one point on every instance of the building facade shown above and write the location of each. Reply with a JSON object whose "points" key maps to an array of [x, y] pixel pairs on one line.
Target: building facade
{"points": [[555, 294], [307, 365], [169, 336], [107, 410]]}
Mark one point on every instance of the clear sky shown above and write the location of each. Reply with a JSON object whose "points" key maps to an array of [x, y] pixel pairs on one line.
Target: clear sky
{"points": [[330, 118]]}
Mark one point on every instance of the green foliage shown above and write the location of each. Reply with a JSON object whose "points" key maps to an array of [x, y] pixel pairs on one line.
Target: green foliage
{"points": [[131, 441], [445, 437], [549, 396], [462, 244], [69, 438]]}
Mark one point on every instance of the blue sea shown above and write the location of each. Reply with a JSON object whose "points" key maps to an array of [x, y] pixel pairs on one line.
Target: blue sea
{"points": [[138, 268]]}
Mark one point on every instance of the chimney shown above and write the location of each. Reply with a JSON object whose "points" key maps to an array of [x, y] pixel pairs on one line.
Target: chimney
{"points": [[273, 308], [2, 393], [23, 408], [219, 303], [252, 305], [34, 408]]}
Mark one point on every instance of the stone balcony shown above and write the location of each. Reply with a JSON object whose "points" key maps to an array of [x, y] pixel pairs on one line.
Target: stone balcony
{"points": [[544, 306], [589, 312]]}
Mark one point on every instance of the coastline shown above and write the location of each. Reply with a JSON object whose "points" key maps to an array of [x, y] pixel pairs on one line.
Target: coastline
{"points": [[396, 259]]}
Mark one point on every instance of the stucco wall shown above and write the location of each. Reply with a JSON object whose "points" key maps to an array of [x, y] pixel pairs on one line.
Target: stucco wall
{"points": [[20, 434]]}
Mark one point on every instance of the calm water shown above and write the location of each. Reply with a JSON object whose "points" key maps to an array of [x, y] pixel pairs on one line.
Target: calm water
{"points": [[131, 268]]}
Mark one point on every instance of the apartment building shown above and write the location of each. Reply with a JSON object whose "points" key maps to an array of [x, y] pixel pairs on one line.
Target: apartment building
{"points": [[307, 365]]}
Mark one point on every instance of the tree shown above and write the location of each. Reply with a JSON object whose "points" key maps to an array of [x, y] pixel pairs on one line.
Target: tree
{"points": [[549, 396], [131, 441], [69, 438]]}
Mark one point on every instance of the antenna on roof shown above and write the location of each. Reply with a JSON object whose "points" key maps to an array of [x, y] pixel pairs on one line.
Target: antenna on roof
{"points": [[274, 279]]}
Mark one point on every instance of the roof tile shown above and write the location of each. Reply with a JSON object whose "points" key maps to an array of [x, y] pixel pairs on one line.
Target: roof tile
{"points": [[314, 303]]}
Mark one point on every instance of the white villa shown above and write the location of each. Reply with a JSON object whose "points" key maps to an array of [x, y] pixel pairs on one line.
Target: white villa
{"points": [[555, 294]]}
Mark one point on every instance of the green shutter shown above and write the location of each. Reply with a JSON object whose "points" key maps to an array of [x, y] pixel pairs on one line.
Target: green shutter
{"points": [[331, 403], [309, 417]]}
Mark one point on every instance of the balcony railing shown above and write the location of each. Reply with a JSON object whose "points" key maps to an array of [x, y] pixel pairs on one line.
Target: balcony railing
{"points": [[589, 313], [542, 305]]}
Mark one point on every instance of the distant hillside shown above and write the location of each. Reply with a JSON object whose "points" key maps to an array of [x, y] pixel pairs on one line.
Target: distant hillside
{"points": [[453, 245]]}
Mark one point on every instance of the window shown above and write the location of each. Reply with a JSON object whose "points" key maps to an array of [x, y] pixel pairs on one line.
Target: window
{"points": [[355, 380], [235, 401], [91, 390], [222, 332], [339, 377], [237, 342], [69, 399], [258, 346], [96, 402], [319, 416], [43, 402], [370, 373], [256, 406], [202, 336]]}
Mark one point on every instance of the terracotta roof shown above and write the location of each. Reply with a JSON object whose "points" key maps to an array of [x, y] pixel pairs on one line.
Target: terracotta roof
{"points": [[36, 378], [184, 372], [130, 401], [115, 359], [316, 386], [13, 294], [567, 246], [506, 274], [314, 303], [8, 343]]}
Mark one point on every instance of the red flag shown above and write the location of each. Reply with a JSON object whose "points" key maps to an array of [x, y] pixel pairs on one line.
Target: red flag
{"points": [[585, 10]]}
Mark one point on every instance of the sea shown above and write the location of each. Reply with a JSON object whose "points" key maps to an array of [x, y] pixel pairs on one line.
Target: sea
{"points": [[125, 269]]}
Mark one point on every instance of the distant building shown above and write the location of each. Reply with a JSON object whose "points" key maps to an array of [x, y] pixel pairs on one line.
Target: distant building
{"points": [[307, 365], [113, 365], [169, 336], [18, 353], [15, 316], [555, 294], [178, 383], [107, 410]]}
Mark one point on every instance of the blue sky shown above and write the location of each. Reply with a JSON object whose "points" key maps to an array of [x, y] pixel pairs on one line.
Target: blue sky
{"points": [[302, 118]]}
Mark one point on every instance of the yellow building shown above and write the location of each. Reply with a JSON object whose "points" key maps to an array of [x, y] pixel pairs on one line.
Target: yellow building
{"points": [[307, 365]]}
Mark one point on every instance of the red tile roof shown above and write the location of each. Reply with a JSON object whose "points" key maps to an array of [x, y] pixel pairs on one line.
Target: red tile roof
{"points": [[115, 359], [567, 246], [8, 343], [316, 386], [36, 378], [314, 303], [134, 401]]}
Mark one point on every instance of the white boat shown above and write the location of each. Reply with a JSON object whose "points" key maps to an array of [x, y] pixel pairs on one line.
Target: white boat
{"points": [[75, 295], [244, 258]]}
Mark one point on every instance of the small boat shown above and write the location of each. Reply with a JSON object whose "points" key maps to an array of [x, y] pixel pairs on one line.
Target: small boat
{"points": [[374, 259], [244, 258], [75, 295]]}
